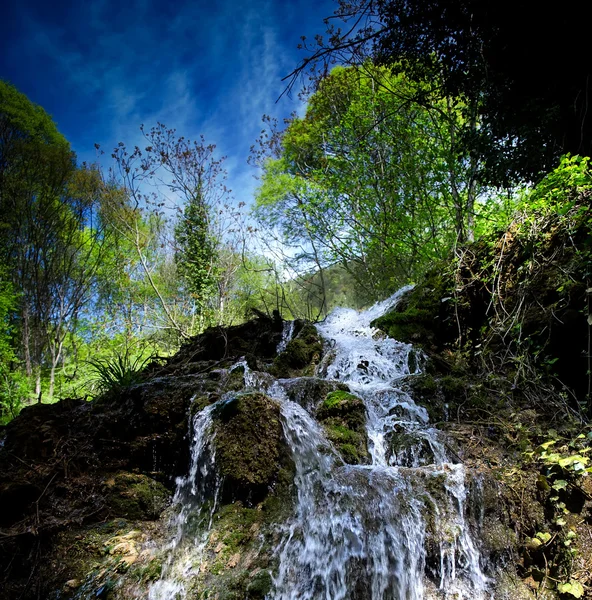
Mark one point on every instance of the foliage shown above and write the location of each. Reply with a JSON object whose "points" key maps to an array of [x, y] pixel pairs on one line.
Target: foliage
{"points": [[119, 371], [369, 179], [562, 464], [195, 260], [13, 385], [473, 51], [196, 256]]}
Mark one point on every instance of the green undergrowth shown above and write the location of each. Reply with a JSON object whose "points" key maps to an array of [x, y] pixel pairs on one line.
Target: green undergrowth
{"points": [[515, 306], [506, 327]]}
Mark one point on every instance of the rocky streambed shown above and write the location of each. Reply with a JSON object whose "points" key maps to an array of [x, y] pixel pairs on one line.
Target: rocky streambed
{"points": [[275, 460]]}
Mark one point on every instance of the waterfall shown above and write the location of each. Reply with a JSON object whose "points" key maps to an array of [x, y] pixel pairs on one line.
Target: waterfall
{"points": [[394, 529], [195, 500], [360, 531]]}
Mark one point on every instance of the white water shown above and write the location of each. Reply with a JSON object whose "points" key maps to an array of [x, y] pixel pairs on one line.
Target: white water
{"points": [[359, 532], [191, 523]]}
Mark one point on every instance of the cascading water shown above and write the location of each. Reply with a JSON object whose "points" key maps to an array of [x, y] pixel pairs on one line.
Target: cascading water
{"points": [[391, 530], [360, 531], [193, 519]]}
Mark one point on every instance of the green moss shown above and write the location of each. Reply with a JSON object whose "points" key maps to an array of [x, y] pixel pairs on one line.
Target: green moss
{"points": [[425, 385], [234, 523], [351, 444], [149, 572], [341, 434], [135, 496], [424, 315], [453, 387], [343, 416], [235, 380], [301, 355], [249, 445], [412, 325], [338, 398], [260, 585]]}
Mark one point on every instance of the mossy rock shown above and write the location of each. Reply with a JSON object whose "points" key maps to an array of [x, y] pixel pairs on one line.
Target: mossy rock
{"points": [[309, 392], [238, 555], [249, 446], [301, 355], [260, 585], [408, 448], [424, 315], [103, 561], [135, 496], [343, 415], [451, 397]]}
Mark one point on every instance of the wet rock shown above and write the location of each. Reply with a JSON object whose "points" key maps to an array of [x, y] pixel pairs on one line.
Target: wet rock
{"points": [[343, 416], [136, 496], [302, 353], [408, 448], [309, 392], [249, 446]]}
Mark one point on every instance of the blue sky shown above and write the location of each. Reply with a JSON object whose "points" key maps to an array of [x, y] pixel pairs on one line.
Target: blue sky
{"points": [[102, 68]]}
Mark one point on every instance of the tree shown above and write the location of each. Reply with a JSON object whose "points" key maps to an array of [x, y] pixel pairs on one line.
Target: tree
{"points": [[12, 383], [370, 179], [35, 163], [55, 238], [522, 72], [170, 173]]}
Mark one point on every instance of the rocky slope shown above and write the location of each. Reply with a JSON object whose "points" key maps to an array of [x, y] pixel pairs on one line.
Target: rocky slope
{"points": [[87, 489]]}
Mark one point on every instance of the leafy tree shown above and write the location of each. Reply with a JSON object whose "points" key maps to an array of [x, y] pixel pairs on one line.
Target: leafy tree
{"points": [[370, 179], [197, 250], [169, 173], [522, 72], [13, 387], [35, 163]]}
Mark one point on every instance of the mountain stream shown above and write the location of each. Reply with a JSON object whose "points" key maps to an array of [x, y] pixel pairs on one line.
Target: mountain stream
{"points": [[393, 529]]}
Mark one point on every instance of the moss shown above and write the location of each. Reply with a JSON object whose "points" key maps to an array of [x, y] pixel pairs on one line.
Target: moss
{"points": [[235, 380], [149, 572], [260, 585], [301, 355], [238, 556], [343, 416], [338, 398], [249, 446], [424, 315], [412, 325], [135, 496], [351, 444]]}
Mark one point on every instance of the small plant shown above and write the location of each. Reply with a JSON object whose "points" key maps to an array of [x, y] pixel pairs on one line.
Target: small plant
{"points": [[117, 372], [563, 465]]}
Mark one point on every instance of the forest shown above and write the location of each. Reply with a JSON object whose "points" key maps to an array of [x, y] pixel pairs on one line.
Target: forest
{"points": [[442, 148]]}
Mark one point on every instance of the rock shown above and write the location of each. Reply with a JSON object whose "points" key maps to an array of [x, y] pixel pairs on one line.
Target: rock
{"points": [[72, 584], [310, 392], [136, 496], [343, 416], [301, 355], [249, 446]]}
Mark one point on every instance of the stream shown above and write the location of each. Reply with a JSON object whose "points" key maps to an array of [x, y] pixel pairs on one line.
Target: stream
{"points": [[394, 529]]}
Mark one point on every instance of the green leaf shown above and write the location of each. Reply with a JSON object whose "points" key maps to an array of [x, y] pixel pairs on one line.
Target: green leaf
{"points": [[544, 536], [560, 484], [572, 587]]}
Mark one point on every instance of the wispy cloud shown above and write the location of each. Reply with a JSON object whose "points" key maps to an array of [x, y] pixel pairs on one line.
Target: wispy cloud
{"points": [[102, 68]]}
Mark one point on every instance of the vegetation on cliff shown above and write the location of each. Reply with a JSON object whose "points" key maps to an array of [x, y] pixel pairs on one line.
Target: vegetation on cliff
{"points": [[506, 329]]}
